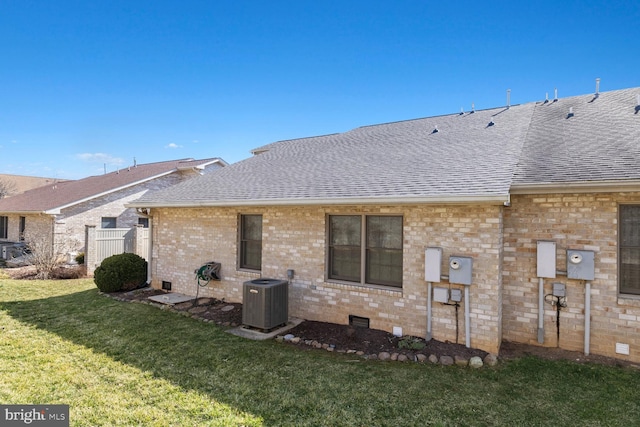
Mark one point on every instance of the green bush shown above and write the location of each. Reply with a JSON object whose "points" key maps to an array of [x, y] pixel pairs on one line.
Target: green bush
{"points": [[80, 258], [122, 272]]}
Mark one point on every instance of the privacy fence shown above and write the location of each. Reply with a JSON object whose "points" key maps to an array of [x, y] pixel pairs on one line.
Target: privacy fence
{"points": [[101, 243]]}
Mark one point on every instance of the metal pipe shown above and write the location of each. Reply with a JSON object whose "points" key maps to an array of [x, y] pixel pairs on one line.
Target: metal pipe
{"points": [[540, 310], [428, 311], [587, 316], [467, 320]]}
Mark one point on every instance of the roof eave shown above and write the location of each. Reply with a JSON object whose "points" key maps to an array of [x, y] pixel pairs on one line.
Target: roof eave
{"points": [[608, 186], [502, 199]]}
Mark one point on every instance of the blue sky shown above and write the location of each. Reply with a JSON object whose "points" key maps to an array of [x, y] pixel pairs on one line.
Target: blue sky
{"points": [[89, 83]]}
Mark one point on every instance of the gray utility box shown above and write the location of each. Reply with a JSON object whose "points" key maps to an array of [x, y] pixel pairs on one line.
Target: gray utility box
{"points": [[581, 265], [265, 303], [460, 270]]}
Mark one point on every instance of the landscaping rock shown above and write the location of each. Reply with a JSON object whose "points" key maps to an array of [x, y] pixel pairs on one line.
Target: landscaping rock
{"points": [[446, 360], [460, 361], [289, 337], [227, 308], [421, 358], [402, 358], [384, 356], [490, 360], [394, 356], [197, 310], [433, 359], [295, 340], [475, 362]]}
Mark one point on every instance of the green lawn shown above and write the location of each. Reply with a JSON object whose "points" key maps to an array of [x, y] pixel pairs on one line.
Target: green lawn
{"points": [[126, 364]]}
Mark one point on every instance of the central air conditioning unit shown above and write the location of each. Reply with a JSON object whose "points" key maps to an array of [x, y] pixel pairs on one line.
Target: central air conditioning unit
{"points": [[265, 303]]}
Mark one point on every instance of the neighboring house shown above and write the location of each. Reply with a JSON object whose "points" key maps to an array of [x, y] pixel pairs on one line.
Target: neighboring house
{"points": [[352, 215], [10, 185], [59, 212]]}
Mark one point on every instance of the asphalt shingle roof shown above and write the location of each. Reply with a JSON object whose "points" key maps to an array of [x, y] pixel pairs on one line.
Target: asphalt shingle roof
{"points": [[473, 156], [66, 193]]}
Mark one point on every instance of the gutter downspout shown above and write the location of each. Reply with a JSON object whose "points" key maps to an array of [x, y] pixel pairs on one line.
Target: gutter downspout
{"points": [[145, 213], [428, 311]]}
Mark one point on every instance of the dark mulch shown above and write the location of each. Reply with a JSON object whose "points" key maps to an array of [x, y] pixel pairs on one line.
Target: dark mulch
{"points": [[370, 341]]}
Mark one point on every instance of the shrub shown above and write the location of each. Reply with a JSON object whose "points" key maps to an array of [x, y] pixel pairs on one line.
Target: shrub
{"points": [[80, 258], [122, 272]]}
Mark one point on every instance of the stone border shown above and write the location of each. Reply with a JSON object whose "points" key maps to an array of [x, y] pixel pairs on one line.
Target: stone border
{"points": [[474, 362]]}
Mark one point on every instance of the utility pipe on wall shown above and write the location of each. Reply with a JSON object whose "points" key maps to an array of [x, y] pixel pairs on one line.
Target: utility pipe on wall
{"points": [[428, 311], [467, 319], [587, 316], [540, 310]]}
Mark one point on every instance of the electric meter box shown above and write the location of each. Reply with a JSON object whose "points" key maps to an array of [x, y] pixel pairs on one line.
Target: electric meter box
{"points": [[581, 264], [546, 255], [440, 295], [460, 270], [456, 295], [432, 263], [559, 290]]}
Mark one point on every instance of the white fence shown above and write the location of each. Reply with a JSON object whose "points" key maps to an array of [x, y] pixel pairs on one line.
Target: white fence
{"points": [[104, 242]]}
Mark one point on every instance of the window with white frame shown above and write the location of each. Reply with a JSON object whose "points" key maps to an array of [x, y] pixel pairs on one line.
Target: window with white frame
{"points": [[629, 249], [250, 242], [366, 249]]}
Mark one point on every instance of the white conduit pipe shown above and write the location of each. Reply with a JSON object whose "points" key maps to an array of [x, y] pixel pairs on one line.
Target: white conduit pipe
{"points": [[587, 316], [540, 310], [467, 320], [428, 311]]}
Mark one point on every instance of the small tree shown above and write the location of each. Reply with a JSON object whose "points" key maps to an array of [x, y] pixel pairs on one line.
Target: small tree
{"points": [[6, 188], [46, 255]]}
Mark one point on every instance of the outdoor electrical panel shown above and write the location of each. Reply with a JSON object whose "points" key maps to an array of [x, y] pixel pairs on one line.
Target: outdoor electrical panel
{"points": [[456, 295], [460, 270], [440, 294], [546, 259], [559, 290], [432, 263], [581, 265]]}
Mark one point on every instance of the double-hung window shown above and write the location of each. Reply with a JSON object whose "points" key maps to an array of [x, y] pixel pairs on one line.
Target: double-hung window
{"points": [[365, 249], [250, 242], [629, 249], [108, 222], [4, 222]]}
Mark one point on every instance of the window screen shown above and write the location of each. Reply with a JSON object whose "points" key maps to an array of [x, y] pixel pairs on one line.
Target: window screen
{"points": [[629, 253]]}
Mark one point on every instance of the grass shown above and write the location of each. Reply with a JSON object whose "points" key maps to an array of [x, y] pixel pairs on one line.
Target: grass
{"points": [[126, 364]]}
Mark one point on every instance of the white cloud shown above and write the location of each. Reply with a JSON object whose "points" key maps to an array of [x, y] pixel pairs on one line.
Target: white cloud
{"points": [[99, 158], [172, 145]]}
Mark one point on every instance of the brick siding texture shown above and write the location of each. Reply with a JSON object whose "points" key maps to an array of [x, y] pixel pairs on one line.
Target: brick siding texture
{"points": [[295, 238], [573, 221]]}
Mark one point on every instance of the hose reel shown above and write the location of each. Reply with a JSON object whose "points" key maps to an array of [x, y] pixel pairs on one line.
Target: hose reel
{"points": [[208, 272]]}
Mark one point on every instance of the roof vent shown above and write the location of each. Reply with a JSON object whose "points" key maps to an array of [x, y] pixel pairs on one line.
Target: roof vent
{"points": [[555, 94], [435, 129], [491, 122], [597, 94], [461, 111], [546, 97], [570, 113], [508, 98], [473, 108], [637, 103]]}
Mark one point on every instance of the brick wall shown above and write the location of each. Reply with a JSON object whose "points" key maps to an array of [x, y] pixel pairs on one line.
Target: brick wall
{"points": [[295, 238], [573, 221]]}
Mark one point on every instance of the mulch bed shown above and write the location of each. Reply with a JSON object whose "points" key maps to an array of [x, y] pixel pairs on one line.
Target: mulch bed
{"points": [[344, 338]]}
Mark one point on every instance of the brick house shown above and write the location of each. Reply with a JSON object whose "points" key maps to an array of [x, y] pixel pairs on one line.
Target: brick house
{"points": [[352, 214], [59, 211]]}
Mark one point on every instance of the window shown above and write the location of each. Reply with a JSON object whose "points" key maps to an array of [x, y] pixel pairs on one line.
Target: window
{"points": [[4, 221], [144, 222], [250, 247], [365, 249], [629, 251], [108, 222], [23, 225]]}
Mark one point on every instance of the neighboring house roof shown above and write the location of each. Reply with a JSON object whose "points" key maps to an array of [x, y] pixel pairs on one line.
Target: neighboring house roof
{"points": [[21, 183], [467, 157], [54, 197]]}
